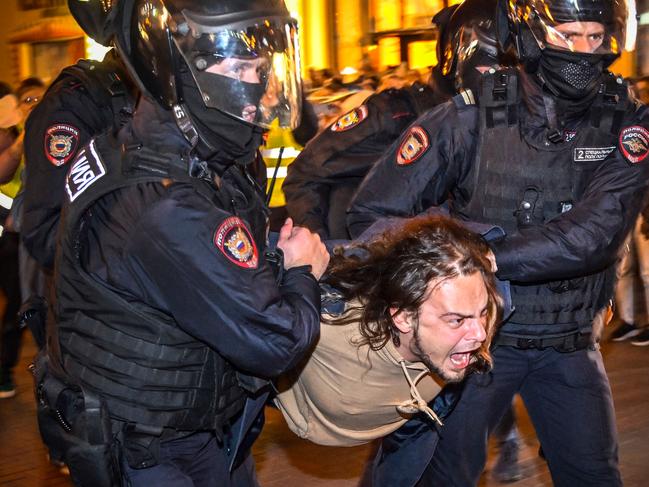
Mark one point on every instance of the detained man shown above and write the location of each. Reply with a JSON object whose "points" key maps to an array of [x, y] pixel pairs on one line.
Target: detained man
{"points": [[418, 308]]}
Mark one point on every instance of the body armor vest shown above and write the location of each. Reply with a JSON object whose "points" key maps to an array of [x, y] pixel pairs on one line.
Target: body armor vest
{"points": [[548, 177], [147, 369]]}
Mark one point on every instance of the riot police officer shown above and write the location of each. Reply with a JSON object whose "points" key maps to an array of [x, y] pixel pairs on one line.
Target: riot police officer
{"points": [[321, 181], [171, 315], [556, 154]]}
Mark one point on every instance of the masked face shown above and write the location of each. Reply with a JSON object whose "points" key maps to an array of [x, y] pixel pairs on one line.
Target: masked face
{"points": [[245, 78], [248, 69], [450, 327]]}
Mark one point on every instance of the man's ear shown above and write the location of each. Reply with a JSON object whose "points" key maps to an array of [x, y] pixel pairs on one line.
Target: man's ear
{"points": [[402, 320]]}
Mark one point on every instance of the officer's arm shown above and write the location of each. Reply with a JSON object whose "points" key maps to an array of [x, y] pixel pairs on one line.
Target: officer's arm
{"points": [[416, 172], [585, 239], [340, 154], [198, 265], [57, 128]]}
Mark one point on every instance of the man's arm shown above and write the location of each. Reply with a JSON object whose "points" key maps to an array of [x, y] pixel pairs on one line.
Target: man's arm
{"points": [[62, 123], [199, 264], [10, 159], [342, 154], [586, 238], [418, 170]]}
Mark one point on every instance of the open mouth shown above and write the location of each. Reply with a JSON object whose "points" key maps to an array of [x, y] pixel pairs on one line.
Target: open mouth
{"points": [[461, 360]]}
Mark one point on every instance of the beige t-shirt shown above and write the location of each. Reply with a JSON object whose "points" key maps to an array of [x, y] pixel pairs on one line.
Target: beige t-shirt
{"points": [[345, 396]]}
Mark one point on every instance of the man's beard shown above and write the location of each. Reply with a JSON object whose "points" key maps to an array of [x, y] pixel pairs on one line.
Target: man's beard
{"points": [[418, 351]]}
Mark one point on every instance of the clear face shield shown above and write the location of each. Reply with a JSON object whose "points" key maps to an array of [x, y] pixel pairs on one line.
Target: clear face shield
{"points": [[605, 27], [248, 69]]}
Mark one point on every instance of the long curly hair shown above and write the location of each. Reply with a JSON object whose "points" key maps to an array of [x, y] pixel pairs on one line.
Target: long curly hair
{"points": [[394, 272]]}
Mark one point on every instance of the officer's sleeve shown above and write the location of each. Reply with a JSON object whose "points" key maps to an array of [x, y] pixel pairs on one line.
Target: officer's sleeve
{"points": [[58, 127], [585, 239], [417, 171], [201, 266], [341, 153]]}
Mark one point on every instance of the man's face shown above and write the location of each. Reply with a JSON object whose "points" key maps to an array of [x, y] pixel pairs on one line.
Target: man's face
{"points": [[252, 71], [247, 70], [30, 99], [584, 37], [451, 329]]}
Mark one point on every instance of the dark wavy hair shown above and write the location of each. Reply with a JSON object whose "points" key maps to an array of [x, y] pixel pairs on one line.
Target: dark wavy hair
{"points": [[395, 271]]}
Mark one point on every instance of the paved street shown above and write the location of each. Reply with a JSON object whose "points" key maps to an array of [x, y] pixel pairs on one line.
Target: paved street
{"points": [[284, 460]]}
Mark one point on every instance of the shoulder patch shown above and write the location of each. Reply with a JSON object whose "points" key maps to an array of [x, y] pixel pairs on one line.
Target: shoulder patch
{"points": [[350, 119], [85, 171], [61, 142], [233, 239], [414, 145], [634, 143]]}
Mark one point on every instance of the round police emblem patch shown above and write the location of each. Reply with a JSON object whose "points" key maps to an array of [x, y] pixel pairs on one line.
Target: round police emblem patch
{"points": [[234, 240], [61, 143], [414, 145], [350, 119], [634, 143]]}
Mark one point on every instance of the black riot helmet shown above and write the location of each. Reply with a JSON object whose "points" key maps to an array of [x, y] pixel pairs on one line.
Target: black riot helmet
{"points": [[467, 40], [95, 17], [568, 44], [533, 26], [241, 56]]}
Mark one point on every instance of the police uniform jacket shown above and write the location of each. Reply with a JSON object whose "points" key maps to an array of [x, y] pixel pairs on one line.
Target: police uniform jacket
{"points": [[86, 99], [323, 178], [566, 203], [166, 303]]}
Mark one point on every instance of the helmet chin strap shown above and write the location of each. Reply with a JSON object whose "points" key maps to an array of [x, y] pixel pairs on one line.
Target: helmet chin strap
{"points": [[187, 127]]}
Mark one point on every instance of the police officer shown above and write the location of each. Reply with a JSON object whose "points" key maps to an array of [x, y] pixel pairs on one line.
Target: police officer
{"points": [[171, 315], [321, 181], [86, 99], [556, 154]]}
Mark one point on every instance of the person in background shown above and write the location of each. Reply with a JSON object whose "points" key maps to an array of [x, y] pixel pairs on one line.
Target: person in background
{"points": [[10, 157]]}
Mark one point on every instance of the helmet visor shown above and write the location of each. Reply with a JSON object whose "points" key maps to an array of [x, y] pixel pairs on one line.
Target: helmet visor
{"points": [[476, 46], [585, 26], [248, 69]]}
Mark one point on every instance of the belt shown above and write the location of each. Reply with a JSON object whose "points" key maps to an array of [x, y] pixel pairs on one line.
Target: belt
{"points": [[564, 343]]}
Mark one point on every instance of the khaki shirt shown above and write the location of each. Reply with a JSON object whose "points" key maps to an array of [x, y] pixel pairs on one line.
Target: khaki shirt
{"points": [[348, 395]]}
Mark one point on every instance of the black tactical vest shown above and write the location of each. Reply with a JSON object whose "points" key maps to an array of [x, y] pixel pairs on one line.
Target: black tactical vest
{"points": [[147, 369], [518, 184]]}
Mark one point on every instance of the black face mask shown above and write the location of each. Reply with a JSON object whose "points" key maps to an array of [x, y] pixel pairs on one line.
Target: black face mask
{"points": [[571, 75], [225, 139]]}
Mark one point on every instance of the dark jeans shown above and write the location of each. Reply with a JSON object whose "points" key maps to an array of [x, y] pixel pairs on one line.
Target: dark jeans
{"points": [[569, 401], [10, 287], [193, 461]]}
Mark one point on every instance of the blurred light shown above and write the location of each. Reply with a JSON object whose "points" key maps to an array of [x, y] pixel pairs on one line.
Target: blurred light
{"points": [[348, 70], [422, 54], [94, 50], [631, 27], [389, 51]]}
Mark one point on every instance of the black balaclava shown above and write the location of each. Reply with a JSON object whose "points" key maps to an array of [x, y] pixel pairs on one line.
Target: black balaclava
{"points": [[222, 139], [571, 75]]}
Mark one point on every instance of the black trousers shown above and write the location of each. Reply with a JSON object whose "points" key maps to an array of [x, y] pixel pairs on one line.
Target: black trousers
{"points": [[197, 460], [568, 398]]}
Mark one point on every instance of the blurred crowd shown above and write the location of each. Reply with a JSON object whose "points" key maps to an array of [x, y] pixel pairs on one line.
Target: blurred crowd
{"points": [[335, 93]]}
